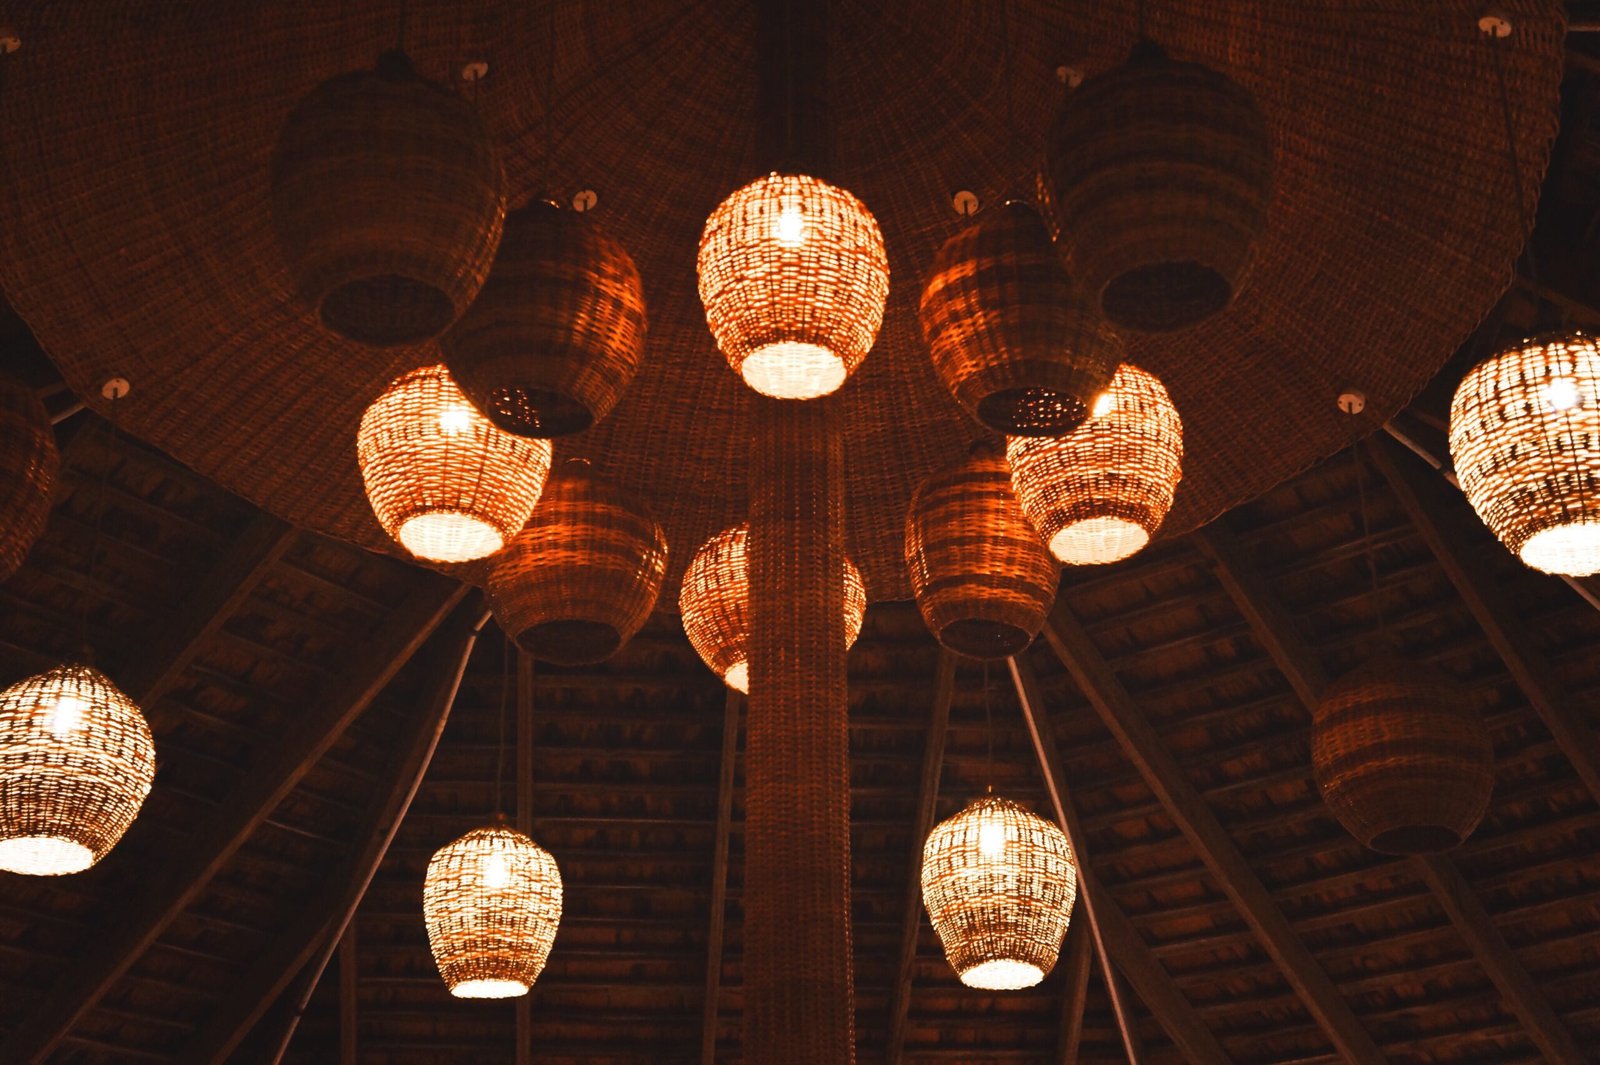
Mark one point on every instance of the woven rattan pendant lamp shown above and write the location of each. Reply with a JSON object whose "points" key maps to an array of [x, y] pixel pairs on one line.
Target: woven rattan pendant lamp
{"points": [[445, 483], [29, 463], [714, 601]]}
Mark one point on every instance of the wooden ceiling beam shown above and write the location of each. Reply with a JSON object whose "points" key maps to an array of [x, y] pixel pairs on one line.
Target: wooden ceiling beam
{"points": [[1075, 993], [186, 871], [1188, 810], [733, 707]]}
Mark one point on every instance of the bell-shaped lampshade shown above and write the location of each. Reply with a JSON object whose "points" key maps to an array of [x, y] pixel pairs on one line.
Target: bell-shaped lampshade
{"points": [[443, 481], [492, 903], [1099, 493], [29, 462], [999, 882], [76, 763], [794, 279], [1525, 439], [714, 600]]}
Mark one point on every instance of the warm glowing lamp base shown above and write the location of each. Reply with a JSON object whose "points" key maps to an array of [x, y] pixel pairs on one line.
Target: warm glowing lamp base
{"points": [[44, 856], [449, 537], [793, 370], [1572, 549], [489, 989], [1097, 541], [1002, 974]]}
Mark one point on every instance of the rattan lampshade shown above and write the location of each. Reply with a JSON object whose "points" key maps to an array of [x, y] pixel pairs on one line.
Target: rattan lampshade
{"points": [[999, 882], [492, 903], [983, 578], [794, 278], [76, 762], [714, 600], [585, 573], [1159, 174], [1012, 337], [444, 482], [1099, 493], [1525, 438], [1402, 759], [558, 330], [387, 202], [29, 463]]}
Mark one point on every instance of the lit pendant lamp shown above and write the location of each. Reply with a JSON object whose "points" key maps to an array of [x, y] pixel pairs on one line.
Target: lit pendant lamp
{"points": [[1525, 439], [444, 482], [999, 882], [1012, 337], [714, 601], [387, 202], [29, 463], [76, 763], [794, 279], [558, 330], [1099, 493], [492, 903]]}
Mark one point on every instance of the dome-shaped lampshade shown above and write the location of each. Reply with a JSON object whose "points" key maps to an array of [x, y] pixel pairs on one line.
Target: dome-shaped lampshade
{"points": [[1012, 337], [999, 882], [1401, 758], [76, 763], [1099, 493], [983, 578], [1525, 438], [584, 575], [794, 278], [558, 330], [1159, 174], [492, 903], [387, 201], [444, 482], [714, 600], [29, 463]]}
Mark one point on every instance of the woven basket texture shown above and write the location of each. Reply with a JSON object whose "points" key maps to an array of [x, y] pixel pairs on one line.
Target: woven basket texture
{"points": [[1402, 759], [77, 763], [557, 331], [1525, 439], [387, 201], [140, 239], [982, 577], [1015, 341], [585, 573], [29, 463]]}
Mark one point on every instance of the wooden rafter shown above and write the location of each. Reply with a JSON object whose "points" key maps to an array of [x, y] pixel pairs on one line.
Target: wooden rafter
{"points": [[733, 706], [1188, 810], [349, 997], [191, 863], [1075, 992], [1275, 629]]}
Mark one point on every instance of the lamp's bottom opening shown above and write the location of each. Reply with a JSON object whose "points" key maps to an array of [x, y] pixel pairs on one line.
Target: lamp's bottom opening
{"points": [[1161, 297], [738, 676], [1572, 550], [489, 989], [44, 855], [571, 642], [1002, 974], [449, 537], [1097, 541], [793, 370], [982, 638], [387, 310], [1416, 839], [526, 410]]}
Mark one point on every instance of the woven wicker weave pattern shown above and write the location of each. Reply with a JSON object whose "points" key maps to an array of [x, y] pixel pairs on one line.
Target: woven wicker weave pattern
{"points": [[29, 463], [558, 330], [1099, 493], [443, 481], [999, 882], [794, 278], [76, 766], [1525, 438], [1013, 339], [1401, 759], [983, 578], [492, 904], [714, 601]]}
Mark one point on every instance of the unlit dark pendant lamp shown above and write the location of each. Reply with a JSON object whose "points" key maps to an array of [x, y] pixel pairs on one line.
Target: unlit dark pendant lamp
{"points": [[29, 463]]}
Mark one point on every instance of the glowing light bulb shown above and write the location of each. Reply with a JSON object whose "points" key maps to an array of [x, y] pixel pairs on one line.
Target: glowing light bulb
{"points": [[496, 871], [790, 230], [1103, 404], [1561, 393], [991, 839], [66, 717], [455, 420]]}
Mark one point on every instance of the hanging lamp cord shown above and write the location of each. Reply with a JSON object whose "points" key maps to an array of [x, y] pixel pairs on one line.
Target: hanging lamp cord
{"points": [[1526, 216], [500, 746], [104, 495], [1008, 77], [1382, 635], [549, 96], [988, 729]]}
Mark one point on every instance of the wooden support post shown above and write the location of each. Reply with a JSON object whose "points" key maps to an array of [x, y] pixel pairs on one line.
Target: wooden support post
{"points": [[522, 1053], [709, 1011], [927, 807], [1075, 991], [1188, 809], [349, 986], [189, 867]]}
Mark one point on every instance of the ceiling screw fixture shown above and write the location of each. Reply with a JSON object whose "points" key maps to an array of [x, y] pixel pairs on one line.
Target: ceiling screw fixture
{"points": [[10, 39], [965, 203], [1069, 76], [584, 200], [475, 71], [1495, 23], [115, 388], [1352, 401]]}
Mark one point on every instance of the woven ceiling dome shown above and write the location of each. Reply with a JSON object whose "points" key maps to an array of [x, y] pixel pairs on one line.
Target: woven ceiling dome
{"points": [[1401, 758], [558, 330], [76, 763], [794, 278], [1013, 339], [29, 463], [492, 904], [983, 578], [585, 573], [714, 600], [1099, 493], [1159, 174], [999, 882], [387, 202], [1525, 438], [443, 481]]}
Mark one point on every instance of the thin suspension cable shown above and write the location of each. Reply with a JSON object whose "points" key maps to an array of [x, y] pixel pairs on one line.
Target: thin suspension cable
{"points": [[104, 493], [1498, 45], [988, 729], [549, 95], [1138, 18], [1366, 541], [500, 747], [400, 30], [1008, 75]]}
